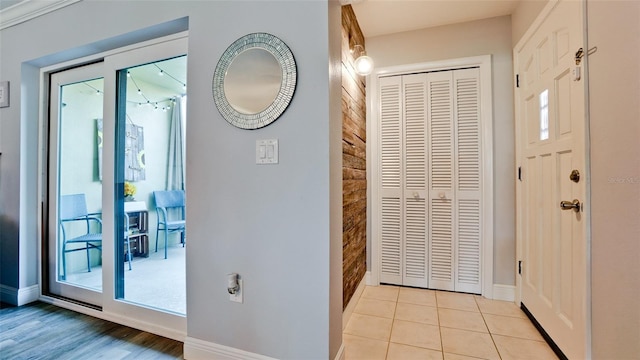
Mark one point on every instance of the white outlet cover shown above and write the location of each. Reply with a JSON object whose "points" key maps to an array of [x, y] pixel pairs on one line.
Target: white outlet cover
{"points": [[237, 297]]}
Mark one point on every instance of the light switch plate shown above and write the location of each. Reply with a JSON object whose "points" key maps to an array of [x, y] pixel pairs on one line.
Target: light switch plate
{"points": [[267, 151], [4, 93]]}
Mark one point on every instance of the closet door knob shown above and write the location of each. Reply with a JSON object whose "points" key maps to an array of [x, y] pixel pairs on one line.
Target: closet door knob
{"points": [[442, 195]]}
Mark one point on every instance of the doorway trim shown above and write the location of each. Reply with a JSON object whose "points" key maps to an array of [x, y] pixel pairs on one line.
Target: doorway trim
{"points": [[373, 160]]}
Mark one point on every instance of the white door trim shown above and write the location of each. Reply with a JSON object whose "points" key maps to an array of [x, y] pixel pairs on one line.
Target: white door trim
{"points": [[373, 161]]}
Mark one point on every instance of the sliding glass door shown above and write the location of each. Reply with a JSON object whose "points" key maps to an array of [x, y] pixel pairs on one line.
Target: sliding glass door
{"points": [[75, 185], [150, 176], [116, 185]]}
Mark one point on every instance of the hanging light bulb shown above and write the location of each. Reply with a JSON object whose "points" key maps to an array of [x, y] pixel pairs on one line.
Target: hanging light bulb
{"points": [[161, 72], [363, 64], [128, 74], [184, 87], [139, 92], [98, 92]]}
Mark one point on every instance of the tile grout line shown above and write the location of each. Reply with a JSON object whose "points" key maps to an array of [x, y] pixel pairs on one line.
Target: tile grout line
{"points": [[439, 324], [488, 330], [393, 321]]}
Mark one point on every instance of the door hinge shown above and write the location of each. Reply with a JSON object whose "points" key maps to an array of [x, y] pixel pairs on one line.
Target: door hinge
{"points": [[519, 267], [520, 173], [517, 80]]}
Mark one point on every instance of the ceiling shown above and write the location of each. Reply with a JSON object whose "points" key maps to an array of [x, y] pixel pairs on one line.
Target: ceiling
{"points": [[383, 17]]}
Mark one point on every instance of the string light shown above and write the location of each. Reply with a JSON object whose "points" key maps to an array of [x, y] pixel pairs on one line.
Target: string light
{"points": [[98, 92], [162, 72], [157, 105]]}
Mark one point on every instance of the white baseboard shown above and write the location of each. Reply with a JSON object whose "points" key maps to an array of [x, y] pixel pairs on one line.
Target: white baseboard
{"points": [[346, 314], [504, 292], [195, 349], [369, 279], [19, 297]]}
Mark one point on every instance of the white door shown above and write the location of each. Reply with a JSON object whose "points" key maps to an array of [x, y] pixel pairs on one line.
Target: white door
{"points": [[430, 177], [551, 144], [403, 179], [455, 180]]}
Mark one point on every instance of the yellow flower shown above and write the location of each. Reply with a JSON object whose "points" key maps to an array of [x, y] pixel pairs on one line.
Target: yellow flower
{"points": [[129, 189]]}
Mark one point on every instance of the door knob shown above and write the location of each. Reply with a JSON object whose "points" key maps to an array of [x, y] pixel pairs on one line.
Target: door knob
{"points": [[568, 205]]}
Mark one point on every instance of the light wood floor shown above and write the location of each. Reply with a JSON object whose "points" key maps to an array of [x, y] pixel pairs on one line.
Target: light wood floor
{"points": [[43, 331]]}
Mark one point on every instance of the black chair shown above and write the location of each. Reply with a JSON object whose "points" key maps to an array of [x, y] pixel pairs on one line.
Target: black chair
{"points": [[168, 220]]}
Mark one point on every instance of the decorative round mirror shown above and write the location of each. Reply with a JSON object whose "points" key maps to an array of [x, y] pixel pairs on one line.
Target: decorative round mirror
{"points": [[254, 81]]}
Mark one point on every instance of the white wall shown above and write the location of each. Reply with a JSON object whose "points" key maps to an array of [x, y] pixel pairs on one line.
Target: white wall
{"points": [[278, 226], [614, 91], [483, 37]]}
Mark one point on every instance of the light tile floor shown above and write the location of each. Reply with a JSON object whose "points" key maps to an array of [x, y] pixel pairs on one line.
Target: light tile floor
{"points": [[391, 322]]}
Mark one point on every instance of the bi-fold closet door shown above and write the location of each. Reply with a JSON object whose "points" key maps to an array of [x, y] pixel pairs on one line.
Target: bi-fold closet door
{"points": [[430, 180]]}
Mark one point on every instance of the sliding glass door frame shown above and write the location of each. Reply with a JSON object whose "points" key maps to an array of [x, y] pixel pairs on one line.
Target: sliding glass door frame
{"points": [[110, 305], [58, 283]]}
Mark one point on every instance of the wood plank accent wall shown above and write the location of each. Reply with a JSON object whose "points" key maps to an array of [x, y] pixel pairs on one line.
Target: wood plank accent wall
{"points": [[354, 171]]}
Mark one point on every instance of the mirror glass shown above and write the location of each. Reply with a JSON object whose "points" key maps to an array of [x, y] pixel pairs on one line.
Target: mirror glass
{"points": [[252, 81]]}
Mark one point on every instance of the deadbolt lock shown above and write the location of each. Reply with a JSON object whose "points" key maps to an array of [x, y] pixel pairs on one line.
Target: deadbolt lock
{"points": [[575, 176]]}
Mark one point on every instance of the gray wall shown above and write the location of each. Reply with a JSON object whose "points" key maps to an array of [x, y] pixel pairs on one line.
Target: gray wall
{"points": [[483, 37], [526, 12], [614, 87], [278, 226]]}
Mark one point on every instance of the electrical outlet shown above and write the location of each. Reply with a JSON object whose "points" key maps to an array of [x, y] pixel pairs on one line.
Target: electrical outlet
{"points": [[237, 297]]}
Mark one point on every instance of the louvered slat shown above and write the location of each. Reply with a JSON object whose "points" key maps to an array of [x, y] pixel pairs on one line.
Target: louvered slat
{"points": [[415, 109], [468, 134], [468, 245], [390, 131], [391, 237], [415, 242], [440, 135], [441, 259]]}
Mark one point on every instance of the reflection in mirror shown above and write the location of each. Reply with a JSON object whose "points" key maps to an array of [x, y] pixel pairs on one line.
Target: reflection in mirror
{"points": [[252, 81]]}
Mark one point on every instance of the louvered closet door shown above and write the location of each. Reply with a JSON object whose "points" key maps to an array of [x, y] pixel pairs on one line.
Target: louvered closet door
{"points": [[454, 186], [391, 208], [403, 180], [430, 180], [441, 180], [414, 257], [467, 180]]}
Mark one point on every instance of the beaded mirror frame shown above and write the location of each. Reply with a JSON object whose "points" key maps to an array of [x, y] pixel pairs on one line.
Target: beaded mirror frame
{"points": [[285, 59]]}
